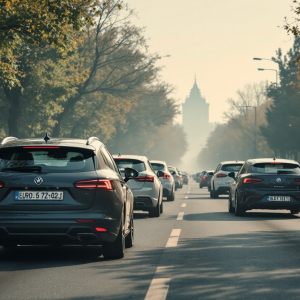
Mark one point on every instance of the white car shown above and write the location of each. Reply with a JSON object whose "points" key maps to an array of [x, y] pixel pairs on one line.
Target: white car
{"points": [[219, 184], [146, 188], [166, 178]]}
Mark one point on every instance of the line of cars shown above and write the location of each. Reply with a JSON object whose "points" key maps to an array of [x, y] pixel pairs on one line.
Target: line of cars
{"points": [[73, 191], [263, 183]]}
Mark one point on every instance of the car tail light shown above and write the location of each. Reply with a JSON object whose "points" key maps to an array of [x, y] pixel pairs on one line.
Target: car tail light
{"points": [[99, 184], [99, 229], [221, 175], [1, 184], [252, 180], [204, 177], [297, 180], [145, 178], [166, 176], [275, 163]]}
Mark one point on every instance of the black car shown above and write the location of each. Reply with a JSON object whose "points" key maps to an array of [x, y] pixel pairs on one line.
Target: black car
{"points": [[265, 184], [205, 179], [64, 191], [185, 178]]}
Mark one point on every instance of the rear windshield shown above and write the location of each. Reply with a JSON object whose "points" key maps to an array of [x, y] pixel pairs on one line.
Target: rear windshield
{"points": [[231, 167], [157, 167], [123, 163], [277, 168], [210, 173], [46, 159]]}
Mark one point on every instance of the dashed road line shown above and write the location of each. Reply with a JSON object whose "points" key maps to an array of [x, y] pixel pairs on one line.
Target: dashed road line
{"points": [[180, 216], [186, 197], [158, 289], [183, 205], [173, 239]]}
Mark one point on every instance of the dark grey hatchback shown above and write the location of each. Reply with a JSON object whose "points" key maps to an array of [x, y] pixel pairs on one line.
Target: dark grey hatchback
{"points": [[265, 183], [64, 191]]}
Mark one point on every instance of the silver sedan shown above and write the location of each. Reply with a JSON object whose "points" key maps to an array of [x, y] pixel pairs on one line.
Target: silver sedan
{"points": [[146, 188], [165, 178]]}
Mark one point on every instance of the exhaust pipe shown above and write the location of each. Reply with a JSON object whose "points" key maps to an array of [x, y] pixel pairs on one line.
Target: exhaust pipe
{"points": [[87, 237]]}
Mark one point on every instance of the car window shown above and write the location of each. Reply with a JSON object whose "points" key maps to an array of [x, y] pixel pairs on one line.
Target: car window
{"points": [[276, 168], [231, 167], [50, 159], [157, 167], [136, 164]]}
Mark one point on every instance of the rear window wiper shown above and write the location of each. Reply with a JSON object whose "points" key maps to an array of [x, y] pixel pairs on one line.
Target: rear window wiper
{"points": [[285, 172], [24, 169]]}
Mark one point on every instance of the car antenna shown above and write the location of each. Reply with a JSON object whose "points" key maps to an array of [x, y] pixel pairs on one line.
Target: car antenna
{"points": [[46, 138], [274, 158], [119, 154]]}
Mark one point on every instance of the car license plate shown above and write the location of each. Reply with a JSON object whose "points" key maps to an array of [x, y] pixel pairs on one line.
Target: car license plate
{"points": [[278, 198], [40, 195]]}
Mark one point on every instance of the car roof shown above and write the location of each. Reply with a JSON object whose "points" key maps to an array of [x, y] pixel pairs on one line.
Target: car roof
{"points": [[138, 157], [232, 162], [270, 160], [67, 142]]}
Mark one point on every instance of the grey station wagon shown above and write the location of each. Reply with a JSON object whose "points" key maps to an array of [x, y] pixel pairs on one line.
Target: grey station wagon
{"points": [[64, 191]]}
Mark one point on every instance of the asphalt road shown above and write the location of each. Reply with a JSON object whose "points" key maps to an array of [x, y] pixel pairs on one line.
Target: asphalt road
{"points": [[195, 250]]}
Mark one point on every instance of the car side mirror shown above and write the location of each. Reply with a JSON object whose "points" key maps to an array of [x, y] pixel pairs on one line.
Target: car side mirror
{"points": [[160, 174], [232, 175], [130, 174]]}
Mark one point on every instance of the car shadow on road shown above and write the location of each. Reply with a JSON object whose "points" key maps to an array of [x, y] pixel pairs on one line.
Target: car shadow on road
{"points": [[249, 216]]}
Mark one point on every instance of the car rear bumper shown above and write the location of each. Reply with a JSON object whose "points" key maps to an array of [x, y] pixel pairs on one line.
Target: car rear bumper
{"points": [[50, 229], [254, 200], [223, 190]]}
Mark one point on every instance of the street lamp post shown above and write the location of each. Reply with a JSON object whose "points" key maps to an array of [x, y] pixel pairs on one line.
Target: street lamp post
{"points": [[260, 69], [255, 121]]}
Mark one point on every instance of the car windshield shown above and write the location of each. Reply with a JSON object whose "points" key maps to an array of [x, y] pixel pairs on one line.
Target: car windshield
{"points": [[136, 164], [276, 168], [46, 159], [231, 167], [157, 167]]}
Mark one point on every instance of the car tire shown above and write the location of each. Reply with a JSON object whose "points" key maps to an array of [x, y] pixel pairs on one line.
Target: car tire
{"points": [[238, 210], [129, 239], [208, 188], [200, 186], [162, 206], [213, 193], [294, 211], [171, 197], [115, 249], [155, 211], [230, 207]]}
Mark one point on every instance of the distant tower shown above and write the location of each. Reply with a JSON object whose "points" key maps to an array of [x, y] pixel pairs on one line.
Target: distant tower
{"points": [[195, 120]]}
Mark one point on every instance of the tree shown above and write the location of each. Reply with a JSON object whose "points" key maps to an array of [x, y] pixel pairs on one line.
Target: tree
{"points": [[281, 130], [114, 56], [293, 27], [40, 23]]}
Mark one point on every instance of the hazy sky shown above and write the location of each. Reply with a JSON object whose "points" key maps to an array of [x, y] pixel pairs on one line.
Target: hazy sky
{"points": [[216, 39]]}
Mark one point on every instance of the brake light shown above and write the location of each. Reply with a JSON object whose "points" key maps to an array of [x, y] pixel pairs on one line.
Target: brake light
{"points": [[84, 221], [40, 147], [118, 158], [204, 177], [252, 180], [99, 184], [145, 178], [275, 163], [296, 180], [1, 184], [166, 176], [221, 175], [99, 229]]}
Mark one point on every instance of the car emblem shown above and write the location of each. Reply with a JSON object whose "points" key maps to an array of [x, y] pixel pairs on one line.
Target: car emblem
{"points": [[38, 180], [278, 180]]}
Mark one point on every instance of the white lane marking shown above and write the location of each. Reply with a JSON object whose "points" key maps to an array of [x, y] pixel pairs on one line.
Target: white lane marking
{"points": [[173, 239], [158, 289], [186, 197], [180, 216], [183, 205]]}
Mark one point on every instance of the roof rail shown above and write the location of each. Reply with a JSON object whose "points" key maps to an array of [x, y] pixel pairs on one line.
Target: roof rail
{"points": [[7, 139], [92, 139]]}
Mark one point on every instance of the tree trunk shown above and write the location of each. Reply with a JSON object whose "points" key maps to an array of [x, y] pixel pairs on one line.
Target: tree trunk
{"points": [[14, 98]]}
